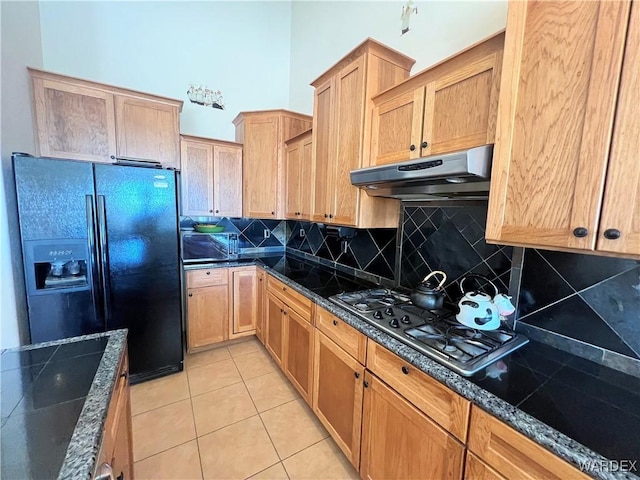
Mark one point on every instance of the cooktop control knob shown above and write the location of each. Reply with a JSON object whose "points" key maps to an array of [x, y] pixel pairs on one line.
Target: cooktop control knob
{"points": [[405, 319], [388, 311], [394, 323], [377, 314]]}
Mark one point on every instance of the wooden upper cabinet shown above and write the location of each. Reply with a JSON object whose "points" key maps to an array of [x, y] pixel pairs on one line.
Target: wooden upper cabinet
{"points": [[298, 177], [447, 107], [342, 134], [620, 207], [561, 76], [263, 134], [211, 177], [84, 120], [73, 121], [244, 299], [400, 442], [147, 130]]}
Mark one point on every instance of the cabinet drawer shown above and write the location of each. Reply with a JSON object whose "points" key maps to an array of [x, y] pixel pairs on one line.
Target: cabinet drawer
{"points": [[348, 338], [207, 277], [512, 454], [440, 403], [292, 298]]}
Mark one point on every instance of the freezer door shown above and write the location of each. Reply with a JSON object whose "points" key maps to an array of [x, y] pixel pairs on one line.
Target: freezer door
{"points": [[55, 208], [138, 238]]}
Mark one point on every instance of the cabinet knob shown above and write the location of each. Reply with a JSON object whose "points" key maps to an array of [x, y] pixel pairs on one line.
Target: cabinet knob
{"points": [[335, 322], [356, 374], [405, 370], [580, 232], [208, 273], [331, 215], [326, 216], [217, 211], [612, 234], [284, 312], [273, 213], [366, 384], [425, 144], [412, 148], [191, 294], [210, 211]]}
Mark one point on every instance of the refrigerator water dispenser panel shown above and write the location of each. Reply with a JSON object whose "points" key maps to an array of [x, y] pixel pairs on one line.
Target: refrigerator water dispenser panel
{"points": [[55, 265]]}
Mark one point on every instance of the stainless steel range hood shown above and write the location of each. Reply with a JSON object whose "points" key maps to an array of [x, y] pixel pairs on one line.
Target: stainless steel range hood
{"points": [[459, 175]]}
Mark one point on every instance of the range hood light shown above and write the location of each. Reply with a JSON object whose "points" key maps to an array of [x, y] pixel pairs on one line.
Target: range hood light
{"points": [[456, 180]]}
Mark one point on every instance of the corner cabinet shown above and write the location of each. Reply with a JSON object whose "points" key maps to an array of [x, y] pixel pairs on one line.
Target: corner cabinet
{"points": [[263, 134], [244, 301], [565, 172], [83, 120], [299, 177], [342, 133], [448, 107], [211, 177]]}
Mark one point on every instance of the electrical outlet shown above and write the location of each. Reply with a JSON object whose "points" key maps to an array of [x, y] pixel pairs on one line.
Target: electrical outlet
{"points": [[267, 233], [302, 233]]}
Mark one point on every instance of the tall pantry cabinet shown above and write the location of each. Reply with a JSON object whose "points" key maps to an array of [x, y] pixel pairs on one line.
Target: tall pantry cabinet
{"points": [[342, 134]]}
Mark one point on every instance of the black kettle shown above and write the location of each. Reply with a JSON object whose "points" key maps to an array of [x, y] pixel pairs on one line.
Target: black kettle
{"points": [[428, 296]]}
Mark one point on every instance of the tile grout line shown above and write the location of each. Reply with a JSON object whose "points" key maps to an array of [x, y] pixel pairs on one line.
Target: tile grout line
{"points": [[195, 429], [163, 451]]}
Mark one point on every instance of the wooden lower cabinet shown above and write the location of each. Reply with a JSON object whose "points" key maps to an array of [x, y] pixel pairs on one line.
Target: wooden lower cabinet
{"points": [[260, 304], [337, 395], [274, 327], [398, 441], [244, 299], [298, 353], [208, 315], [476, 469]]}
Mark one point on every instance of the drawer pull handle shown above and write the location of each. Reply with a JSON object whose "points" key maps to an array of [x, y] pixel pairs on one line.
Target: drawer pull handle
{"points": [[356, 374], [191, 294], [405, 370], [335, 322]]}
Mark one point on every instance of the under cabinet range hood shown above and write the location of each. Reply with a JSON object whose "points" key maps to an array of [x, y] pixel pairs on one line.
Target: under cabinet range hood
{"points": [[458, 175]]}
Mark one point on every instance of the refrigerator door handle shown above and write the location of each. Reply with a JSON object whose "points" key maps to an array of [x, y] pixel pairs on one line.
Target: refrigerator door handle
{"points": [[93, 264], [104, 258]]}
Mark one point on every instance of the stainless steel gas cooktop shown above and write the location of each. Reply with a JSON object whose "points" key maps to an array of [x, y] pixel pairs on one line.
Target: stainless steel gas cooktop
{"points": [[435, 333]]}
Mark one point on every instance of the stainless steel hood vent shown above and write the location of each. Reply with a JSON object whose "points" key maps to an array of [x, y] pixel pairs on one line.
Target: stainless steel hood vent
{"points": [[459, 175]]}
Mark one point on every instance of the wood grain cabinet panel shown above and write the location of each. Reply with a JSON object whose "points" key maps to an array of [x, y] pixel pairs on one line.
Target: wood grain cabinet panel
{"points": [[337, 395], [260, 304], [207, 315], [512, 454], [263, 134], [440, 403], [298, 364], [342, 133], [274, 328], [560, 82], [476, 469], [227, 181], [244, 298], [345, 336], [400, 442], [294, 299], [299, 177]]}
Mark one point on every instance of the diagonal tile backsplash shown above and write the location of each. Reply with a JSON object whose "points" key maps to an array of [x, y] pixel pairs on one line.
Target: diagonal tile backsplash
{"points": [[251, 231]]}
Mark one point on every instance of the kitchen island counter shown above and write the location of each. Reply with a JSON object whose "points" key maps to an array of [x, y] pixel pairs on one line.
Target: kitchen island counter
{"points": [[55, 398]]}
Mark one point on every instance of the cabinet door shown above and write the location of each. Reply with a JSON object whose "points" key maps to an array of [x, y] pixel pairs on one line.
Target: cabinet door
{"points": [[122, 462], [476, 469], [245, 302], [293, 162], [306, 180], [298, 364], [350, 101], [397, 128], [196, 178], [274, 328], [260, 167], [337, 395], [147, 130], [260, 305], [400, 442], [621, 208], [227, 181], [561, 71], [324, 150], [460, 108], [74, 121], [207, 315]]}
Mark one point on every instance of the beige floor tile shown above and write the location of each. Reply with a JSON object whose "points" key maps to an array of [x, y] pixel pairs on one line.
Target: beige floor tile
{"points": [[242, 348], [222, 407], [163, 428], [255, 364], [207, 357], [322, 461], [293, 427], [277, 472], [178, 463], [158, 393], [206, 378], [237, 451], [270, 390]]}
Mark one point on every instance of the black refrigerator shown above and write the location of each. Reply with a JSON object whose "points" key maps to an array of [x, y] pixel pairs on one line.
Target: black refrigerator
{"points": [[100, 252]]}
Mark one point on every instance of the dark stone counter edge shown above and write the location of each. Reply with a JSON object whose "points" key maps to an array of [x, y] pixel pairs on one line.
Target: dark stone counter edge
{"points": [[80, 459], [557, 442]]}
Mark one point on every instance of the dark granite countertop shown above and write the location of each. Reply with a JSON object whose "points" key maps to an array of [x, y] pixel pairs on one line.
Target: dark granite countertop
{"points": [[55, 397], [584, 412]]}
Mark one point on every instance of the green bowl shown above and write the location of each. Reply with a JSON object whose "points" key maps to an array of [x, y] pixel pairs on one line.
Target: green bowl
{"points": [[204, 228]]}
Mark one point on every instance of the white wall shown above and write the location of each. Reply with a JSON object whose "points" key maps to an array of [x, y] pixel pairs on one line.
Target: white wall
{"points": [[240, 48], [324, 31], [20, 47]]}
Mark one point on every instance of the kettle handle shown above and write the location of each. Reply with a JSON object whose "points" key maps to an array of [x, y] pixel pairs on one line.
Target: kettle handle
{"points": [[444, 278], [481, 277]]}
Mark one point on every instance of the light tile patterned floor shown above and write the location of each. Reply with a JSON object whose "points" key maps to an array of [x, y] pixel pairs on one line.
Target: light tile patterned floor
{"points": [[230, 415]]}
